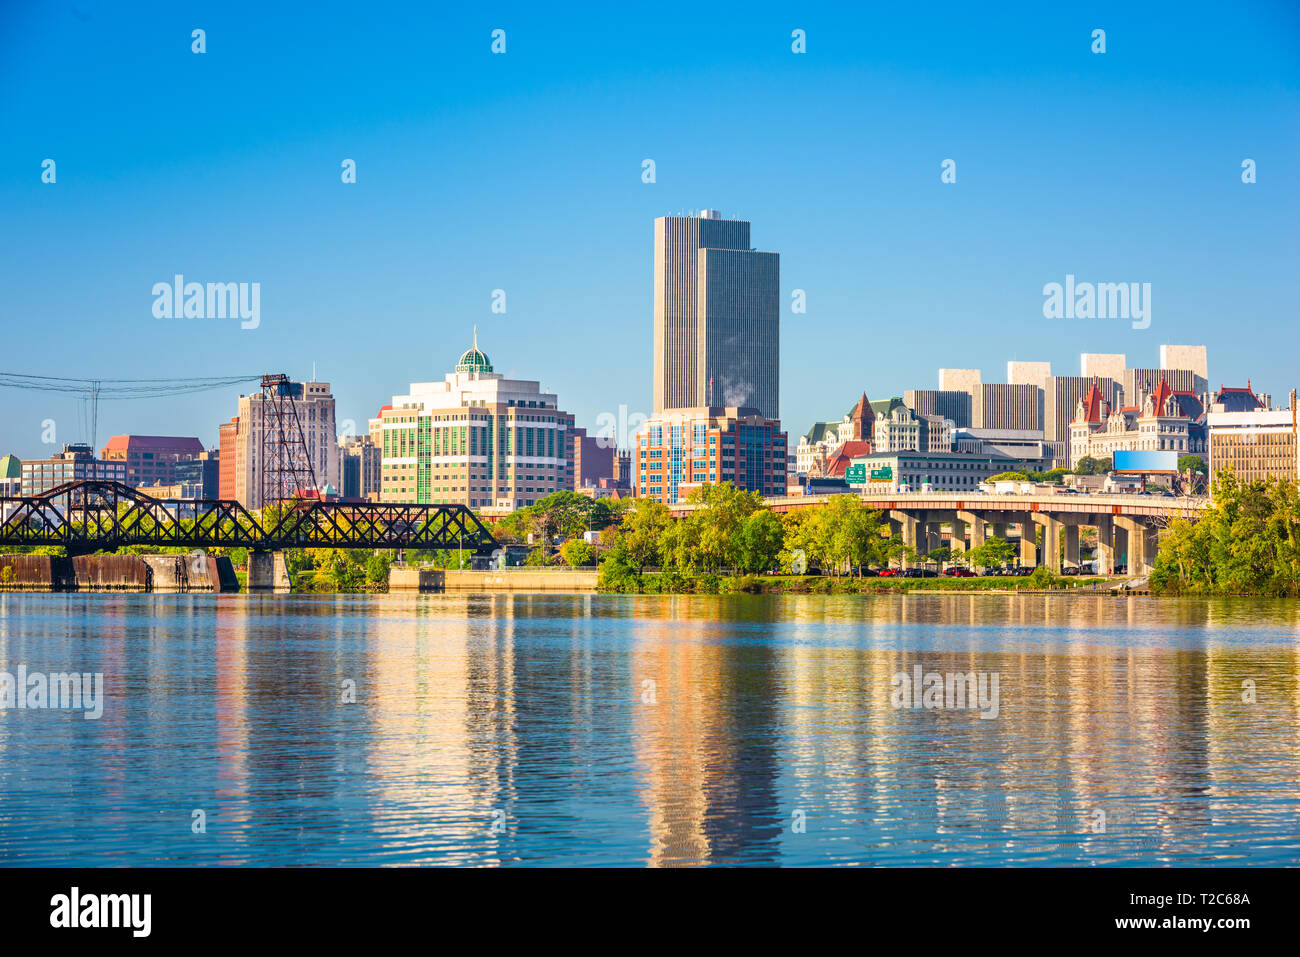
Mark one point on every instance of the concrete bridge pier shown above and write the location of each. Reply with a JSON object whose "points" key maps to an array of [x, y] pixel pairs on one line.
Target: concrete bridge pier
{"points": [[976, 525], [1072, 545], [1028, 550], [1105, 546], [267, 571], [1141, 545], [1051, 542], [957, 540], [908, 528]]}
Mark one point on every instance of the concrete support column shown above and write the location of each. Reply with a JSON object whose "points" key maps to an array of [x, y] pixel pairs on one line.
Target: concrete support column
{"points": [[1105, 546], [267, 571], [1072, 545], [1141, 545], [976, 525], [1028, 550], [957, 542], [933, 536], [908, 529], [1119, 535], [1051, 542]]}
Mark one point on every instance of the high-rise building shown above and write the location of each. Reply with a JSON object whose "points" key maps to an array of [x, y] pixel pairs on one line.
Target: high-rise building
{"points": [[1008, 406], [1180, 380], [1028, 373], [202, 472], [360, 468], [683, 449], [75, 463], [150, 459], [227, 459], [1195, 358], [1061, 396], [953, 404], [716, 316], [593, 458], [959, 380], [476, 439], [1103, 365], [1256, 444], [314, 404]]}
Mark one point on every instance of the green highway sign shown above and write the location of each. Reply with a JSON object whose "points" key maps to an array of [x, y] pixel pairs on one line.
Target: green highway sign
{"points": [[855, 474], [885, 474]]}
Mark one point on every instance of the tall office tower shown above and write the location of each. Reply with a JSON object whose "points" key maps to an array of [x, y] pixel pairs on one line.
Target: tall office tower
{"points": [[959, 380], [1195, 358], [1029, 373], [1060, 397], [1136, 380], [1001, 406], [963, 380], [717, 316], [953, 405], [1109, 365], [256, 422]]}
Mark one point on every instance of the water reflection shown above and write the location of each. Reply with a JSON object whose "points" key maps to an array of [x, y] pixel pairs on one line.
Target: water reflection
{"points": [[660, 730]]}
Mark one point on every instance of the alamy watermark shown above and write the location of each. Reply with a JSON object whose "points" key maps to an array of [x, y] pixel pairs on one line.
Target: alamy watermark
{"points": [[35, 690], [946, 691], [179, 299], [1102, 300]]}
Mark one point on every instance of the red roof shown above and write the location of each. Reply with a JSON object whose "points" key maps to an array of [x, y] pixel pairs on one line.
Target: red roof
{"points": [[839, 462], [172, 443], [1094, 404]]}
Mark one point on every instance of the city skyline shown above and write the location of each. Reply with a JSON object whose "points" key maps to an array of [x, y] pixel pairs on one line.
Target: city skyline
{"points": [[1058, 173]]}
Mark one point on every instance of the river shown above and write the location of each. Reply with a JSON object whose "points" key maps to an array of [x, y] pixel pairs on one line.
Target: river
{"points": [[653, 730]]}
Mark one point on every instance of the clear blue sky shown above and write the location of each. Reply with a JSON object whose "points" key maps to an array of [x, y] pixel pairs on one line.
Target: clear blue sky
{"points": [[523, 172]]}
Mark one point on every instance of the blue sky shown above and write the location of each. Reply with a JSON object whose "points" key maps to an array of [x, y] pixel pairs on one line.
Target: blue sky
{"points": [[522, 172]]}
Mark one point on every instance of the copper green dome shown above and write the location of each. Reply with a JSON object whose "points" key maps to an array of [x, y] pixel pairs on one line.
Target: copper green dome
{"points": [[474, 360]]}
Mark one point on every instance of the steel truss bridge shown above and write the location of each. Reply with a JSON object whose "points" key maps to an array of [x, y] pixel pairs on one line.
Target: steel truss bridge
{"points": [[89, 516]]}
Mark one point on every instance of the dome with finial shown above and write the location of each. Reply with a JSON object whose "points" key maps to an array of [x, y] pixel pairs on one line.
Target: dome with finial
{"points": [[474, 360]]}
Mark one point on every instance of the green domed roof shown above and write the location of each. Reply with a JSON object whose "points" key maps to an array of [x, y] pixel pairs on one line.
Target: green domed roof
{"points": [[473, 360]]}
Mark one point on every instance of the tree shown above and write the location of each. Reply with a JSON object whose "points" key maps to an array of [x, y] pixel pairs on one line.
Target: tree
{"points": [[761, 538], [939, 555], [640, 536], [1008, 477], [1191, 463], [577, 553], [377, 567], [993, 553]]}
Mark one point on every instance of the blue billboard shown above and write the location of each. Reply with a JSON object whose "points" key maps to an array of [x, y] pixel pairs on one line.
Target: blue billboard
{"points": [[1140, 461]]}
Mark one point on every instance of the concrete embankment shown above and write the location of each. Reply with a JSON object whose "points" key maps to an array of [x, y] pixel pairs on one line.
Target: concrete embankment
{"points": [[142, 573], [503, 580]]}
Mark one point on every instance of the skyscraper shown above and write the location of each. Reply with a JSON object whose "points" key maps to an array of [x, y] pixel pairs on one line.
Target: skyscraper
{"points": [[716, 316]]}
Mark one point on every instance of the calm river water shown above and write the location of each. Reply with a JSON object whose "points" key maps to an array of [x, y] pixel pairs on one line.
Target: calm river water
{"points": [[675, 730]]}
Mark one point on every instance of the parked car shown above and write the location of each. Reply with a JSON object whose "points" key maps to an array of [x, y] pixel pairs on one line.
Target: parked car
{"points": [[959, 572], [1023, 571], [890, 573], [1070, 570]]}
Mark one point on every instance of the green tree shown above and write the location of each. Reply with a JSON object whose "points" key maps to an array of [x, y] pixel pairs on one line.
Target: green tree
{"points": [[762, 537], [993, 553], [577, 553], [1191, 463]]}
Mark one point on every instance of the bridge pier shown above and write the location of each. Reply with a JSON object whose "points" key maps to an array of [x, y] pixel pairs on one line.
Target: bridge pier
{"points": [[1105, 545], [1028, 550], [1141, 544], [267, 571], [907, 526], [1072, 545], [975, 524], [957, 541], [1051, 542]]}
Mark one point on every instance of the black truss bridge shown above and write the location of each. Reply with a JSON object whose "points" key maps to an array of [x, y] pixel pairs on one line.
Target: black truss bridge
{"points": [[89, 516]]}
